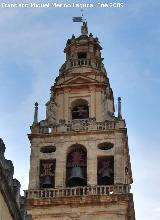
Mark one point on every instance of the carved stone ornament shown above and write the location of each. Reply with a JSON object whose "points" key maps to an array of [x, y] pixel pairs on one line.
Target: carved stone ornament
{"points": [[51, 112]]}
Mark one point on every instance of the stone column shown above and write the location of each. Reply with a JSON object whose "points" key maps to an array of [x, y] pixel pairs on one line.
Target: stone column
{"points": [[93, 103], [60, 105], [98, 105], [60, 171], [34, 168], [91, 164], [118, 162], [66, 105]]}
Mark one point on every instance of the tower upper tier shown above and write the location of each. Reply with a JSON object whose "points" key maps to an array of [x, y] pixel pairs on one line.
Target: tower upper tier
{"points": [[83, 51], [81, 90]]}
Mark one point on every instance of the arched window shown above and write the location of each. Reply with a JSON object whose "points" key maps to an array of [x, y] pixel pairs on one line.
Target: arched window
{"points": [[105, 170], [80, 109], [82, 55], [47, 173], [76, 168]]}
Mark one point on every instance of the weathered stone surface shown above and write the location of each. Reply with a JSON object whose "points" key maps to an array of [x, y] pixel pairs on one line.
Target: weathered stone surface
{"points": [[82, 86], [9, 189]]}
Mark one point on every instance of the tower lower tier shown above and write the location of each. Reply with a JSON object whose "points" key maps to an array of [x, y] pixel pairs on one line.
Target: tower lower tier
{"points": [[81, 203]]}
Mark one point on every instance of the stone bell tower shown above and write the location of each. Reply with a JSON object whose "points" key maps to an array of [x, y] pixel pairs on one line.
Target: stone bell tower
{"points": [[80, 165]]}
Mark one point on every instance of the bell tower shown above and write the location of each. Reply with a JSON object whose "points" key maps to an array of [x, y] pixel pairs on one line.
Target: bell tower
{"points": [[80, 165]]}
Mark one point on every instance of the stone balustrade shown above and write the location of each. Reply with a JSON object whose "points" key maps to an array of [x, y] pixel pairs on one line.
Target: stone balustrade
{"points": [[83, 126], [74, 126], [80, 62], [78, 191]]}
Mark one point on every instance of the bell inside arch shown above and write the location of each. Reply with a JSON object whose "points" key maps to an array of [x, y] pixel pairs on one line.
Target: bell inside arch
{"points": [[106, 174], [76, 178], [47, 182], [106, 170], [106, 178]]}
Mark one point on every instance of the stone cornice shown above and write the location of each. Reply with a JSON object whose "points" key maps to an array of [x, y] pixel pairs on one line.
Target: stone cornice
{"points": [[79, 201], [56, 134]]}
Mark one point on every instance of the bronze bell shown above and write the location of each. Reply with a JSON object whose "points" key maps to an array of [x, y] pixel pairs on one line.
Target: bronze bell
{"points": [[105, 174], [106, 178], [47, 182], [76, 172], [76, 178]]}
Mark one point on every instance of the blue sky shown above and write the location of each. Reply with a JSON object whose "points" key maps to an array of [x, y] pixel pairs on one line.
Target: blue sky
{"points": [[31, 52]]}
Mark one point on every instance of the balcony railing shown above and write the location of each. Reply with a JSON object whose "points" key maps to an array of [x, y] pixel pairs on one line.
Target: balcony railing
{"points": [[77, 191], [80, 62]]}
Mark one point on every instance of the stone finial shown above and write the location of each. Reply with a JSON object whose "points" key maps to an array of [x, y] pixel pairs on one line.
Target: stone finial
{"points": [[119, 108], [2, 148], [84, 29], [36, 113]]}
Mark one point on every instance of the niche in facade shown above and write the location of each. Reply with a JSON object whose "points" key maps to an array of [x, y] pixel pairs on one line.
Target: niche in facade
{"points": [[47, 173], [82, 55], [76, 169], [80, 109], [48, 149], [105, 146], [105, 170]]}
